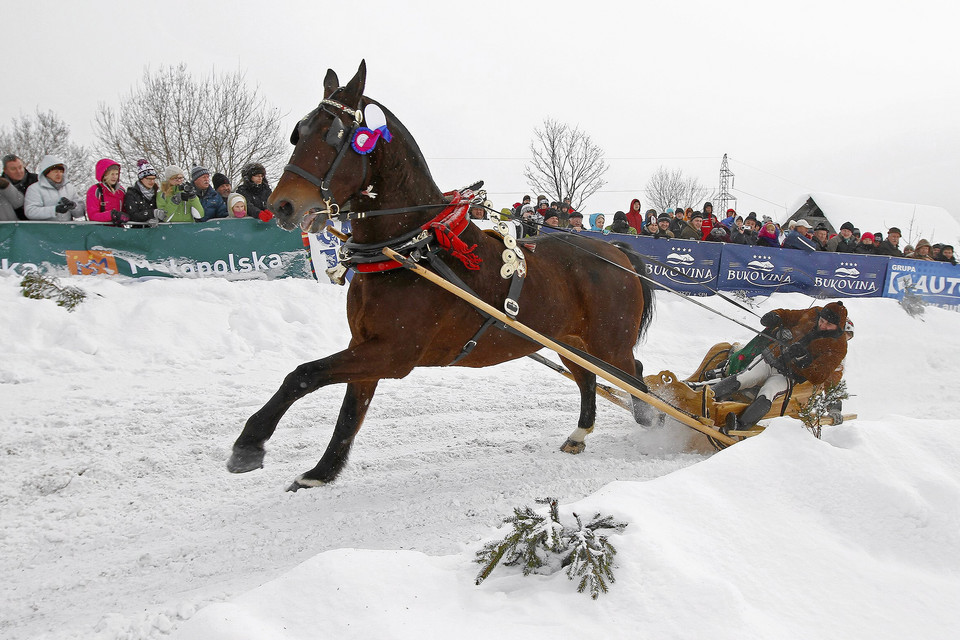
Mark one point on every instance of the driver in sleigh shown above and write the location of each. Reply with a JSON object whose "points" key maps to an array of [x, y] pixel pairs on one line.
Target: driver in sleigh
{"points": [[808, 345]]}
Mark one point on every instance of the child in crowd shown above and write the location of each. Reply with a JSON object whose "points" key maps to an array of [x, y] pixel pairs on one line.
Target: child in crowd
{"points": [[237, 205], [105, 199]]}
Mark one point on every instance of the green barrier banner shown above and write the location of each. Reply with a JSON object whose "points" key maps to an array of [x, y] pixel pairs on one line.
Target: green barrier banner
{"points": [[230, 248]]}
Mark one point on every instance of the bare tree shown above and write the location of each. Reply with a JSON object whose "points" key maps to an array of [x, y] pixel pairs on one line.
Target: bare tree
{"points": [[170, 117], [666, 189], [566, 162], [32, 137]]}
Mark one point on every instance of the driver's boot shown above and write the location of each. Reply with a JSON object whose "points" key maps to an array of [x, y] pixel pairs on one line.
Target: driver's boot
{"points": [[725, 388], [750, 416]]}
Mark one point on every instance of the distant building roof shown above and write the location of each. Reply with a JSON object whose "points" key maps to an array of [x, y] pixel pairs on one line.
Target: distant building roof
{"points": [[914, 220]]}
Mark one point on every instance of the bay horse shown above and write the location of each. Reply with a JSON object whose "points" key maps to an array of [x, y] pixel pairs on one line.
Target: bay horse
{"points": [[577, 290]]}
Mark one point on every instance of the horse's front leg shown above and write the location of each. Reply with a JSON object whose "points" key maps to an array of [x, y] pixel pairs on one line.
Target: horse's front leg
{"points": [[587, 382], [367, 362]]}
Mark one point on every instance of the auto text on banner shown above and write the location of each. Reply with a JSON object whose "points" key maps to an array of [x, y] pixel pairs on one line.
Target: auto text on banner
{"points": [[937, 283]]}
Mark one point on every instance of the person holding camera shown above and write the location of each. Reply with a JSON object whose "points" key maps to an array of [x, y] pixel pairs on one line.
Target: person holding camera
{"points": [[177, 197], [807, 345], [52, 197], [213, 204]]}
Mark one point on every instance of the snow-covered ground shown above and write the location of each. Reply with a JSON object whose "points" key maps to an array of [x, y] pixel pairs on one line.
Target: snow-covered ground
{"points": [[119, 520]]}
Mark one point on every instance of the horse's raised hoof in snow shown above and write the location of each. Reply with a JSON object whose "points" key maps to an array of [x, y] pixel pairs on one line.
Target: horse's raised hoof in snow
{"points": [[244, 460], [572, 446], [304, 483]]}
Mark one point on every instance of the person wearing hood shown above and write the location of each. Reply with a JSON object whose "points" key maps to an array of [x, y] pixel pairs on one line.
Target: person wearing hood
{"points": [[946, 254], [140, 201], [237, 205], [52, 197], [530, 220], [807, 345], [597, 220], [14, 182], [255, 188], [769, 234], [105, 198], [178, 199], [620, 224], [634, 218], [922, 250]]}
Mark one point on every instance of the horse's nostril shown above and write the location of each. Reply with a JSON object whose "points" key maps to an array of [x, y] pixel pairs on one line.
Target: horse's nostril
{"points": [[285, 209]]}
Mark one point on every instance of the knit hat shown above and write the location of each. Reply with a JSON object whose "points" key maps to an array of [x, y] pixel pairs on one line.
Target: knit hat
{"points": [[821, 227], [664, 217], [171, 171], [145, 169], [848, 225], [219, 180], [669, 210], [575, 214], [233, 199], [752, 216], [196, 172], [527, 208], [867, 236], [895, 230], [696, 214], [731, 212], [834, 313]]}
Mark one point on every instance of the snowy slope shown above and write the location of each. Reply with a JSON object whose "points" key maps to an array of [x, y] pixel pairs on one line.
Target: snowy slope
{"points": [[118, 520]]}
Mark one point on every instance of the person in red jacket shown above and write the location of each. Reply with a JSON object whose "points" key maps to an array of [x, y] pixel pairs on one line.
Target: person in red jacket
{"points": [[634, 217], [105, 199], [808, 345]]}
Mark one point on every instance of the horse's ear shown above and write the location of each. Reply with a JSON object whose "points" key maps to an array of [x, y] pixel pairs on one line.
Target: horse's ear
{"points": [[355, 87], [330, 83]]}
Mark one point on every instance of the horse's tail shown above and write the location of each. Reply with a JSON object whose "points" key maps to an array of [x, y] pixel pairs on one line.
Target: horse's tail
{"points": [[648, 300]]}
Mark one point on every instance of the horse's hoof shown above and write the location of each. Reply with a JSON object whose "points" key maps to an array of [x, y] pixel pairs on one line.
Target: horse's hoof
{"points": [[304, 483], [572, 446], [244, 460]]}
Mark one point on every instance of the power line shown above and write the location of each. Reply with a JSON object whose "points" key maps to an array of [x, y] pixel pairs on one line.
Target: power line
{"points": [[804, 187]]}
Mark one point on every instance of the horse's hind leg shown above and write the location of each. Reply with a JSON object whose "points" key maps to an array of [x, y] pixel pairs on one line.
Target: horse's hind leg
{"points": [[352, 412], [587, 381]]}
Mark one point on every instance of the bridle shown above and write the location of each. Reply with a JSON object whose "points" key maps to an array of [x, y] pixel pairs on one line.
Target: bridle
{"points": [[337, 137]]}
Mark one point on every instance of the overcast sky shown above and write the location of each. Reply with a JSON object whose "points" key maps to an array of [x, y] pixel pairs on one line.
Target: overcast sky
{"points": [[854, 98]]}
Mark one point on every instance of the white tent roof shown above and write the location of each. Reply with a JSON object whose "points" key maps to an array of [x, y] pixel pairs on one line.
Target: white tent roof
{"points": [[914, 220]]}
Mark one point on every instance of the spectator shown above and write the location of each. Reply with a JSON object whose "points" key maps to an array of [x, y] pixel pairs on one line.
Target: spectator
{"points": [[935, 251], [718, 234], [178, 199], [728, 221], [692, 229], [820, 237], [663, 227], [213, 204], [576, 221], [946, 254], [518, 205], [709, 220], [255, 188], [237, 205], [105, 199], [843, 242], [877, 238], [52, 197], [889, 247], [748, 233], [476, 212], [620, 224], [922, 250], [866, 245], [597, 220], [10, 201], [542, 205], [530, 220], [797, 237], [17, 175], [221, 184], [769, 236], [140, 201], [679, 222], [634, 218], [551, 218]]}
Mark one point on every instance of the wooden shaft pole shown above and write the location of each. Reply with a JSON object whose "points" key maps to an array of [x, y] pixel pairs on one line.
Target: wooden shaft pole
{"points": [[550, 344]]}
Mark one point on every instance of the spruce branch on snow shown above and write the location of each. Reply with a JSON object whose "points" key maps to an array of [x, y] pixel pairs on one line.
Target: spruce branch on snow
{"points": [[37, 286], [537, 541], [821, 403]]}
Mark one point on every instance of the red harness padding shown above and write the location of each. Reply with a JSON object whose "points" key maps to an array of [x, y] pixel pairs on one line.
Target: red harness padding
{"points": [[446, 227]]}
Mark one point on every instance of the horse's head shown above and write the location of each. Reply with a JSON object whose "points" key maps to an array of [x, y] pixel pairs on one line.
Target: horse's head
{"points": [[323, 174]]}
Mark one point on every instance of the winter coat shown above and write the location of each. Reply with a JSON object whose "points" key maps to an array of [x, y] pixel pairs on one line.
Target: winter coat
{"points": [[718, 234], [101, 199], [885, 248], [923, 242], [663, 234], [839, 244], [21, 186], [768, 239], [179, 211], [866, 249], [746, 236], [10, 200], [796, 240], [42, 197], [677, 225], [620, 224], [257, 194], [138, 205], [827, 349], [212, 203], [690, 232], [635, 218]]}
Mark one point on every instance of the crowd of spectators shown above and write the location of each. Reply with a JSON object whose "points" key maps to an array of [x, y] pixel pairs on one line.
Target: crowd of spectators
{"points": [[181, 196], [689, 224]]}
